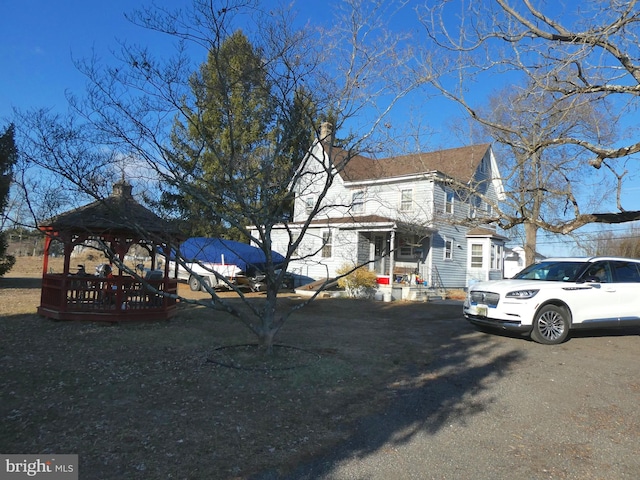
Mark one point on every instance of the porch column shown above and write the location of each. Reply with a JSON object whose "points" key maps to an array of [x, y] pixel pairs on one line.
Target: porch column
{"points": [[392, 242]]}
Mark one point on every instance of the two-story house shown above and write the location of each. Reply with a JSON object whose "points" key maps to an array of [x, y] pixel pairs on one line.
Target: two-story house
{"points": [[403, 216]]}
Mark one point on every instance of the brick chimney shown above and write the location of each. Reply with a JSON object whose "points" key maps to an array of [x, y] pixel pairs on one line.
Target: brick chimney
{"points": [[326, 133]]}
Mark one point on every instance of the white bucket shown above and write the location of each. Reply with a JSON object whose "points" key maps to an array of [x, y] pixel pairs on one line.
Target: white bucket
{"points": [[387, 297]]}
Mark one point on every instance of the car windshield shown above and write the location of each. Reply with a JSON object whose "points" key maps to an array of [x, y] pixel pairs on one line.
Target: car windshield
{"points": [[552, 271]]}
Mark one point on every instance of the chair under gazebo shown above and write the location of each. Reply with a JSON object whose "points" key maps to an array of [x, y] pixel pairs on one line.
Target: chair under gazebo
{"points": [[112, 226]]}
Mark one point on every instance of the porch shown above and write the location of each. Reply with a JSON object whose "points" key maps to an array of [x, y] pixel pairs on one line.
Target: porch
{"points": [[398, 258]]}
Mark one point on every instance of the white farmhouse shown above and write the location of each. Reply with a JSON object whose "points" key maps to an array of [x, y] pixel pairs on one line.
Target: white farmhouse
{"points": [[400, 214]]}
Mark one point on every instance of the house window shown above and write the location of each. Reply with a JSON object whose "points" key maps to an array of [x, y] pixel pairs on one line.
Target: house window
{"points": [[326, 244], [496, 257], [406, 200], [448, 202], [473, 206], [309, 203], [357, 202], [476, 255], [448, 249], [408, 247]]}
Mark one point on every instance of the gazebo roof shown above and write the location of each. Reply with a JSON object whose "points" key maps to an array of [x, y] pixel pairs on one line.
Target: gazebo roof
{"points": [[118, 213]]}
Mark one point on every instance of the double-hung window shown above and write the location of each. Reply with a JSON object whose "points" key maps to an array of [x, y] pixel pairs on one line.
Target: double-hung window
{"points": [[357, 202], [406, 200], [476, 255], [448, 201], [406, 247], [309, 203], [496, 257], [448, 249], [474, 206], [327, 243]]}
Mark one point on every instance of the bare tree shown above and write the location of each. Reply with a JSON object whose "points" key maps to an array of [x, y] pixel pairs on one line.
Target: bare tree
{"points": [[624, 244], [585, 54], [131, 109], [547, 186]]}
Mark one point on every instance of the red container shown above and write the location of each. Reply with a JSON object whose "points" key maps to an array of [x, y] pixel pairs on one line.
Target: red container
{"points": [[383, 280]]}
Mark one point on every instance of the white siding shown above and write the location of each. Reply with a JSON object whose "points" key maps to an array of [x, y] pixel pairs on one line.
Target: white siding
{"points": [[381, 198], [384, 198], [311, 263]]}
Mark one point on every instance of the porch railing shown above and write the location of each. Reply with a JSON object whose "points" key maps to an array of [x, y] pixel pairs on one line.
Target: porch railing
{"points": [[92, 294]]}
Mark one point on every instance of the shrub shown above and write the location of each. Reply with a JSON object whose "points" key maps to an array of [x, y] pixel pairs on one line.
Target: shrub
{"points": [[360, 283]]}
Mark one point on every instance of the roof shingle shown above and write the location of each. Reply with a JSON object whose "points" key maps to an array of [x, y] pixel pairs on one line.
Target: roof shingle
{"points": [[460, 163]]}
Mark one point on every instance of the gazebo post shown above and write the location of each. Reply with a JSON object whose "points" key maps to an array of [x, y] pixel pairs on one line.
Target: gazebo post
{"points": [[45, 262], [68, 250]]}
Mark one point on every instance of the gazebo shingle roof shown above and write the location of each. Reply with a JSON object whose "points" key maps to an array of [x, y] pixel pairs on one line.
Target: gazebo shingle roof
{"points": [[119, 212]]}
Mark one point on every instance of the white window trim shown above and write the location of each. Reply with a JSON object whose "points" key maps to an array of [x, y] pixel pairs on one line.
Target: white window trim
{"points": [[411, 256], [473, 206], [448, 193], [329, 243], [309, 203], [409, 201], [472, 256], [497, 251], [447, 241], [357, 201]]}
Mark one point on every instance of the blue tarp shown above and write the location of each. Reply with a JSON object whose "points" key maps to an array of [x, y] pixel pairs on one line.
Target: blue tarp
{"points": [[246, 257]]}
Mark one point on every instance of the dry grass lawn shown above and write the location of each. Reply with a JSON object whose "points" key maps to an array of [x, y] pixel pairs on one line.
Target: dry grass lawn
{"points": [[173, 400]]}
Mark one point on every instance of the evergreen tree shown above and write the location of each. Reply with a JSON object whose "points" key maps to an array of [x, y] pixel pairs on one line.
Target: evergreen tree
{"points": [[239, 146], [8, 157]]}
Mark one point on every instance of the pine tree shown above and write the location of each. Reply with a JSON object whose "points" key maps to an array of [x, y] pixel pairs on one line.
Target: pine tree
{"points": [[8, 158], [239, 146]]}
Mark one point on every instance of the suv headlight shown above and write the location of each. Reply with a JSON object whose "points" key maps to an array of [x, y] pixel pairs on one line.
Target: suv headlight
{"points": [[522, 293]]}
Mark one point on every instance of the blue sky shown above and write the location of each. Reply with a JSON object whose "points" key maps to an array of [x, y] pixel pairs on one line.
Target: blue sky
{"points": [[39, 40]]}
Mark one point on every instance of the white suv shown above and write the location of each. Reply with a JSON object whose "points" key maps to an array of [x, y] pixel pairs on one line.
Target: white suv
{"points": [[549, 298]]}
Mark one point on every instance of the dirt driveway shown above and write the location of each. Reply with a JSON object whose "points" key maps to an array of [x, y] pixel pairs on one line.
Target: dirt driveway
{"points": [[501, 407]]}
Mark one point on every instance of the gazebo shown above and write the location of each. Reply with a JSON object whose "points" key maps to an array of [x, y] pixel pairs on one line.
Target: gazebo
{"points": [[114, 225]]}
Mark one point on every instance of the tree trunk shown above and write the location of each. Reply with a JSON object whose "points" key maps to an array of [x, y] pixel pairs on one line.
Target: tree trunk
{"points": [[530, 234], [268, 325], [265, 341]]}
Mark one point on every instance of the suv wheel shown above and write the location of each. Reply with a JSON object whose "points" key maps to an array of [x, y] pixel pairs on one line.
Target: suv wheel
{"points": [[194, 283], [551, 325]]}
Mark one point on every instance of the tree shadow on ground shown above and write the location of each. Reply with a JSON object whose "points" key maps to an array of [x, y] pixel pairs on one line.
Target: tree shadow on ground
{"points": [[427, 398]]}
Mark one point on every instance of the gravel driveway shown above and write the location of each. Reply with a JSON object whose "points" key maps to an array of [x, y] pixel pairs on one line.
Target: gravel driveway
{"points": [[502, 407]]}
